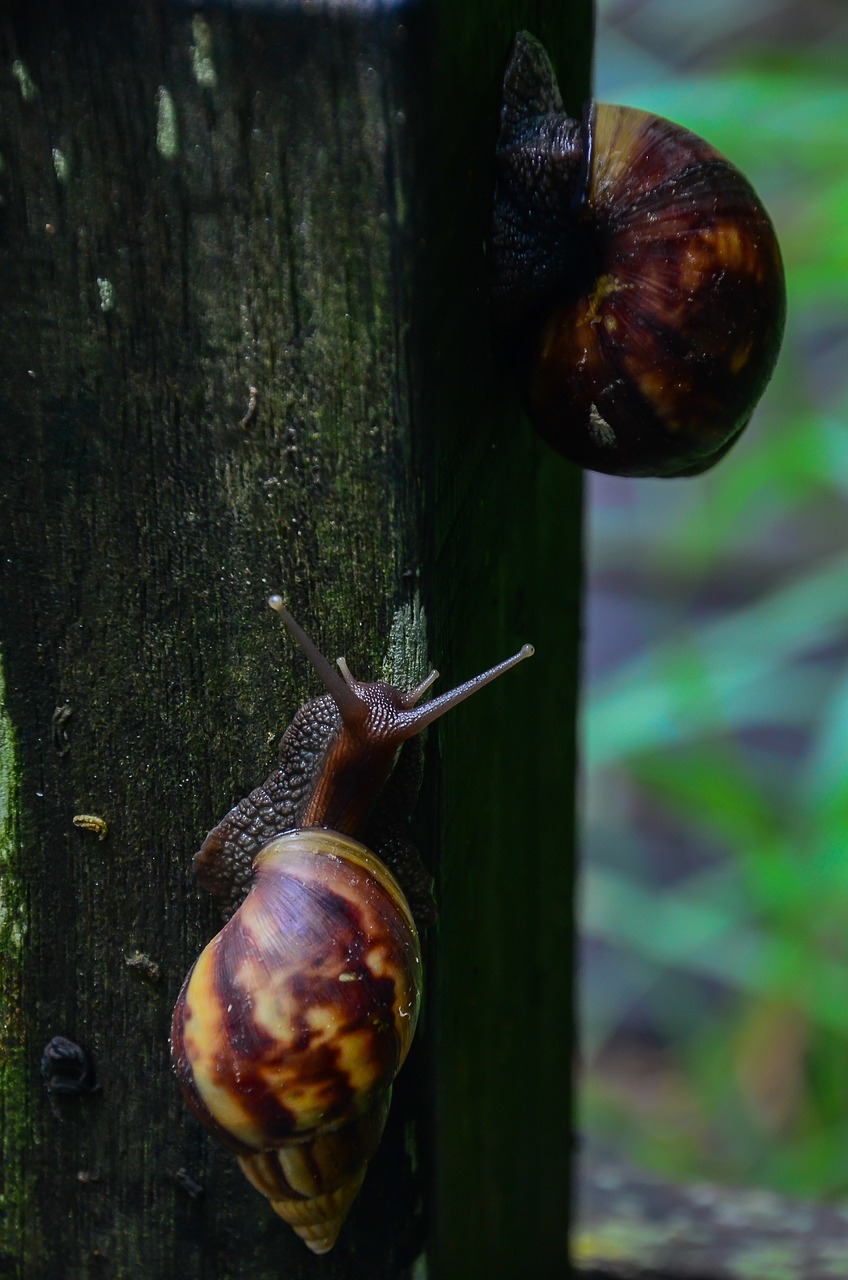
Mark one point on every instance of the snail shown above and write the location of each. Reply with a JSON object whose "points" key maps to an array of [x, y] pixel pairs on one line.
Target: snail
{"points": [[638, 277], [294, 1021]]}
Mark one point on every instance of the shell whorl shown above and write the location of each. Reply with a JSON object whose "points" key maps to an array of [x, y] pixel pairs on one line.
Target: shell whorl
{"points": [[296, 1178], [295, 1019]]}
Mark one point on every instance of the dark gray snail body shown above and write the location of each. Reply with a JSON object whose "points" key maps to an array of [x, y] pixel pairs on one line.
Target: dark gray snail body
{"points": [[294, 1021], [639, 278]]}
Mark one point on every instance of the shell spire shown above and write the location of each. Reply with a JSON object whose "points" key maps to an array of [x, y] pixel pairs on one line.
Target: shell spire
{"points": [[296, 1179]]}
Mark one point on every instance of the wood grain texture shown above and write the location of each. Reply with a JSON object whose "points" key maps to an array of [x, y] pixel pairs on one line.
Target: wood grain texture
{"points": [[508, 565], [246, 347]]}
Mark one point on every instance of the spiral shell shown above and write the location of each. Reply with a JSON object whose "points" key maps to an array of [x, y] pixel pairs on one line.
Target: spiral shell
{"points": [[640, 275], [295, 1019]]}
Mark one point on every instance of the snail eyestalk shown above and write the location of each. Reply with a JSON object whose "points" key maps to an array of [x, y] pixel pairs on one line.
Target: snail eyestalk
{"points": [[351, 707], [417, 718], [420, 689]]}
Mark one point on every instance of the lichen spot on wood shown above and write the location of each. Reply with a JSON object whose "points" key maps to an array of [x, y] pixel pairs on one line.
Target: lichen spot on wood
{"points": [[202, 64], [167, 133]]}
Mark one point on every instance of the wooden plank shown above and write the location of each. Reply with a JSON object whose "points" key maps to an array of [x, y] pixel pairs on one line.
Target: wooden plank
{"points": [[633, 1225], [199, 201], [507, 554]]}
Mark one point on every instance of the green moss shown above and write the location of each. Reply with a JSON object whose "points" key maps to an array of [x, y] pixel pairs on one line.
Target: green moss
{"points": [[61, 165], [13, 1076], [167, 132], [26, 84], [107, 293], [202, 63], [406, 662]]}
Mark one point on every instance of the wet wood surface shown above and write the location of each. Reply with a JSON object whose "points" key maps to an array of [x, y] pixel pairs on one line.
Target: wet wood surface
{"points": [[246, 348]]}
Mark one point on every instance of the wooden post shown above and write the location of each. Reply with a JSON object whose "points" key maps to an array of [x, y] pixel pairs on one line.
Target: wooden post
{"points": [[246, 347]]}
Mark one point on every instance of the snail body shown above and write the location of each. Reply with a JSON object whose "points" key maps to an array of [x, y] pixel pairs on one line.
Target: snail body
{"points": [[638, 274], [295, 1019]]}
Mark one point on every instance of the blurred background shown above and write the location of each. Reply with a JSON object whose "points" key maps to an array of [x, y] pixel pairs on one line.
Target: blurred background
{"points": [[715, 734]]}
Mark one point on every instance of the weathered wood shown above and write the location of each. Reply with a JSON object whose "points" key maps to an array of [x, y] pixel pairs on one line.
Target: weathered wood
{"points": [[635, 1226], [199, 201]]}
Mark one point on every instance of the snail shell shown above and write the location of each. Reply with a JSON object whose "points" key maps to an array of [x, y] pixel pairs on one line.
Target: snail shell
{"points": [[639, 276], [295, 1019]]}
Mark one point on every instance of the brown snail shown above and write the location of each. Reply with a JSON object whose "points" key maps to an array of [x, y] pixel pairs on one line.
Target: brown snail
{"points": [[294, 1021], [639, 275]]}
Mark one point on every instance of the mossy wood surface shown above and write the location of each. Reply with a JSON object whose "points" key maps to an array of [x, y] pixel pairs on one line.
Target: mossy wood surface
{"points": [[245, 347]]}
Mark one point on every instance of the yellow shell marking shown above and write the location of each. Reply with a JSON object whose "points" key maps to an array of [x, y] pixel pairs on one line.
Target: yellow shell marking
{"points": [[269, 979]]}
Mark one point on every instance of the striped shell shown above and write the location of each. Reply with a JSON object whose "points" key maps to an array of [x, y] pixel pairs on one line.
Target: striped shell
{"points": [[642, 275], [294, 1021]]}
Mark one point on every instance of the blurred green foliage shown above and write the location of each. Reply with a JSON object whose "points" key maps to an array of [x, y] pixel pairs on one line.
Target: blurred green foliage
{"points": [[715, 885]]}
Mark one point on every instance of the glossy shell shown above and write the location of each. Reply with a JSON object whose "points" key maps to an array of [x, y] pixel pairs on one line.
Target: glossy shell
{"points": [[295, 1020], [663, 357], [655, 303]]}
